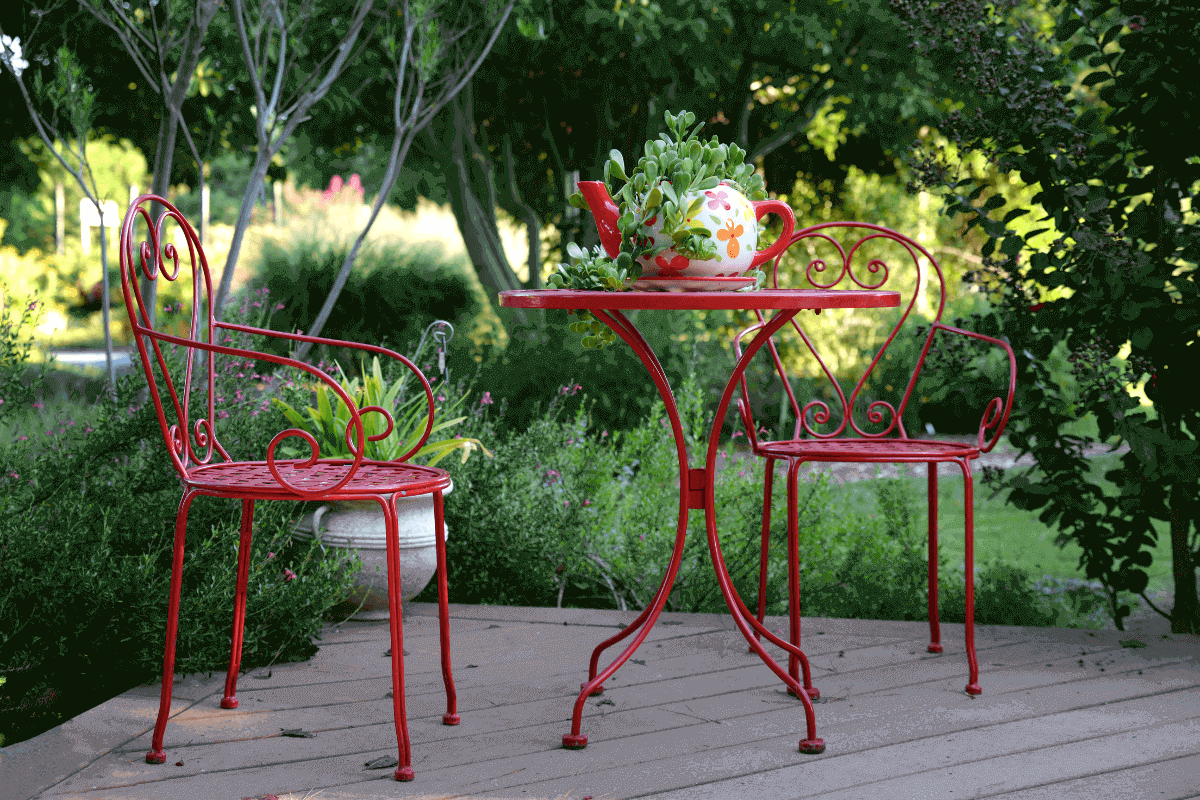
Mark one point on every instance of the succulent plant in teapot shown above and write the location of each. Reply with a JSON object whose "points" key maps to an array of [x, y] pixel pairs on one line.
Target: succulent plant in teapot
{"points": [[689, 210]]}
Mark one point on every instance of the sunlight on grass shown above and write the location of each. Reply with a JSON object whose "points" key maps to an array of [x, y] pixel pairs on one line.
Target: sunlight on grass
{"points": [[1010, 535]]}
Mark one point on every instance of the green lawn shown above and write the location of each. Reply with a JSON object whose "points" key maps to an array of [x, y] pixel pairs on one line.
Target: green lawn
{"points": [[1006, 533]]}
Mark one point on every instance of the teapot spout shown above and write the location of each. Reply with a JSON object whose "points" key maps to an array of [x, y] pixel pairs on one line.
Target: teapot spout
{"points": [[605, 212]]}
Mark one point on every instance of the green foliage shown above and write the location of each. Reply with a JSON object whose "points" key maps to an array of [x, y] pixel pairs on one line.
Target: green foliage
{"points": [[540, 356], [392, 294], [86, 533], [329, 422], [17, 386], [675, 167], [1116, 184]]}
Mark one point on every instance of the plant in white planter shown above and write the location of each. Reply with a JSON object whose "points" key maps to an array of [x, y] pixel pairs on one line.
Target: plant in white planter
{"points": [[360, 525]]}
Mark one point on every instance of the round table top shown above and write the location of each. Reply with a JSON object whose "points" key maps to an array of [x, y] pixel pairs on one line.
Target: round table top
{"points": [[693, 300]]}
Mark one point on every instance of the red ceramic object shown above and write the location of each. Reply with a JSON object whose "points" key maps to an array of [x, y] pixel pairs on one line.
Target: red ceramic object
{"points": [[732, 221]]}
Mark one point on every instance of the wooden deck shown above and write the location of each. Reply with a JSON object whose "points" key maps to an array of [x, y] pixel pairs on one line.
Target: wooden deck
{"points": [[1064, 714]]}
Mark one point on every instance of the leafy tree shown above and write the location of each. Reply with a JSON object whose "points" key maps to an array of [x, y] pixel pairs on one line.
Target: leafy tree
{"points": [[65, 104], [759, 72], [165, 41], [431, 66], [288, 78], [1106, 130]]}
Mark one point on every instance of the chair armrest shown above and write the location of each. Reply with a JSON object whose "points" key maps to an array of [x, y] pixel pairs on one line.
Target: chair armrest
{"points": [[355, 413], [997, 411], [370, 348]]}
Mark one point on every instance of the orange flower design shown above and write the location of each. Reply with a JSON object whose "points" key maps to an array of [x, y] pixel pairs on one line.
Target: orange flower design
{"points": [[730, 232]]}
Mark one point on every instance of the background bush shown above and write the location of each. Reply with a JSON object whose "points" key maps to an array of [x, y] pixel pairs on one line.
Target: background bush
{"points": [[86, 533], [392, 294]]}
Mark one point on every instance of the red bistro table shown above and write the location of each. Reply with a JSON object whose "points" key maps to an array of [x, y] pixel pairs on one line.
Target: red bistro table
{"points": [[696, 483]]}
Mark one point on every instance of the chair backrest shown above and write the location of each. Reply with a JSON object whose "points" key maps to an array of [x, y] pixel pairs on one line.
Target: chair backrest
{"points": [[191, 438], [849, 256]]}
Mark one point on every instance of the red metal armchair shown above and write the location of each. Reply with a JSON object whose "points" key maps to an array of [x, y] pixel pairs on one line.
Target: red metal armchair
{"points": [[206, 468], [847, 434]]}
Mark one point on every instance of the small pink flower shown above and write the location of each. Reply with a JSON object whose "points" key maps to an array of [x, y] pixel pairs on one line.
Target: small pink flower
{"points": [[441, 398], [642, 537], [741, 473], [270, 556], [566, 503], [288, 575], [718, 199], [603, 434], [38, 405], [486, 400], [736, 434], [278, 307], [587, 502], [26, 438]]}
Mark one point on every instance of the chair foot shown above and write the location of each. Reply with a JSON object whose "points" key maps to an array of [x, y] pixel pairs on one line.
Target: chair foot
{"points": [[156, 757], [574, 741], [597, 691], [404, 774], [934, 647], [812, 747], [974, 688], [813, 693], [229, 702], [450, 719]]}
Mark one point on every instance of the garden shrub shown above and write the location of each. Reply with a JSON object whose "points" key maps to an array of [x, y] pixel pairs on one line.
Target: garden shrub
{"points": [[86, 532], [392, 294], [546, 355], [566, 513]]}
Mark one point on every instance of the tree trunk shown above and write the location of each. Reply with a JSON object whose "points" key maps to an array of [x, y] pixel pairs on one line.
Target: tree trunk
{"points": [[257, 175], [472, 196], [1185, 616], [533, 226]]}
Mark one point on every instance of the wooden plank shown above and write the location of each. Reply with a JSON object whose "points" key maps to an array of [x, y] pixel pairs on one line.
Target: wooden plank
{"points": [[976, 761], [1172, 778], [680, 697]]}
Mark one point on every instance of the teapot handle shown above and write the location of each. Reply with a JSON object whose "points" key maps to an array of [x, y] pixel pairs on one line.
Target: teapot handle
{"points": [[761, 209]]}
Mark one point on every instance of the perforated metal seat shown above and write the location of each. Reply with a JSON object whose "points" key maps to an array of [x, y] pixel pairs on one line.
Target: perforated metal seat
{"points": [[888, 450], [371, 477], [193, 444]]}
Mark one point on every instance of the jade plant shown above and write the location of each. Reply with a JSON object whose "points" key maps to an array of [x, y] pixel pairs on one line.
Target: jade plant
{"points": [[675, 165]]}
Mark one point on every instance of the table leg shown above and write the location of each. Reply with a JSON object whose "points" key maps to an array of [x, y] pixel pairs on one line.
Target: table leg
{"points": [[745, 620], [641, 626]]}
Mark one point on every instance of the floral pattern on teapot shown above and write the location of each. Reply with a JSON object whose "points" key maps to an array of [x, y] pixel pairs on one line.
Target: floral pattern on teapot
{"points": [[732, 225]]}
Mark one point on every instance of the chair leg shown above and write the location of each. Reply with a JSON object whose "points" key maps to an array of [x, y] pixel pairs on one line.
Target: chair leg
{"points": [[973, 686], [239, 606], [404, 771], [793, 512], [156, 754], [451, 716], [935, 634], [766, 544]]}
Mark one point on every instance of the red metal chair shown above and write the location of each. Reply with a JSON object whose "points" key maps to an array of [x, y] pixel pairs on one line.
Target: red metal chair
{"points": [[821, 435], [193, 441]]}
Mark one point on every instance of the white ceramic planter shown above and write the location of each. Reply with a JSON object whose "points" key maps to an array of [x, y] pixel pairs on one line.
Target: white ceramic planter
{"points": [[359, 525]]}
